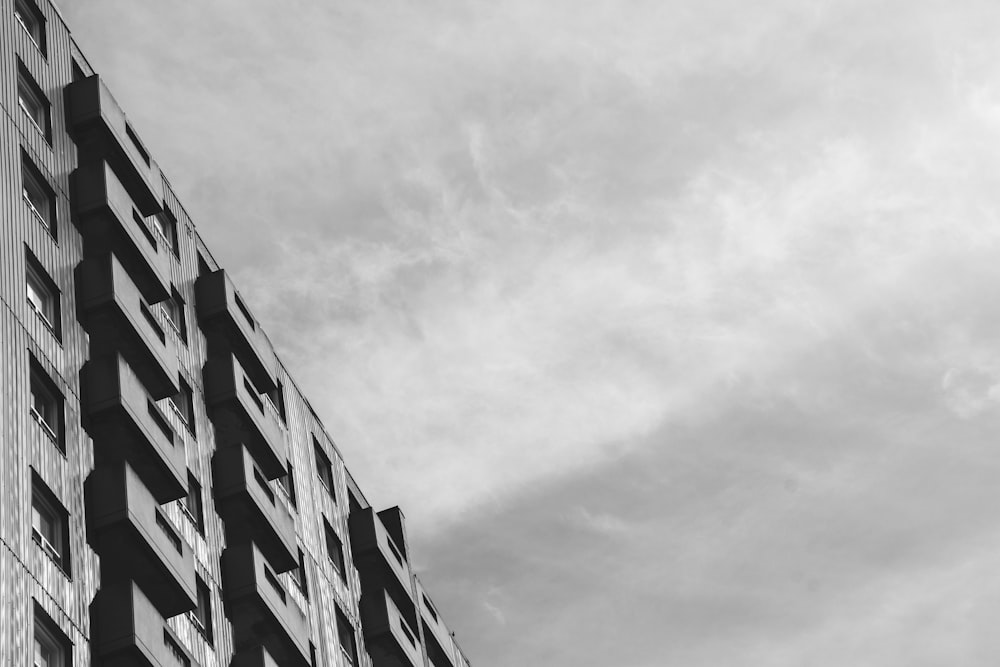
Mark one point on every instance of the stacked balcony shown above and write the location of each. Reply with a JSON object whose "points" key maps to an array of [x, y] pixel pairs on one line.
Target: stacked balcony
{"points": [[261, 610], [102, 132], [130, 631], [390, 638], [113, 312], [379, 560], [136, 541], [256, 656], [240, 416], [230, 327], [110, 224], [250, 510], [127, 425]]}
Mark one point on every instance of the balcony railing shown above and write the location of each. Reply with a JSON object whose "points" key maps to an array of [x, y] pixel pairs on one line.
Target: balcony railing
{"points": [[378, 560], [387, 633]]}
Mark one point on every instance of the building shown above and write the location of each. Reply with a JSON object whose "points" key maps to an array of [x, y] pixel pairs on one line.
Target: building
{"points": [[169, 497]]}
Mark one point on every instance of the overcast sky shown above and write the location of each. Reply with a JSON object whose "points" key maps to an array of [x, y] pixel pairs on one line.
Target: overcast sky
{"points": [[674, 327]]}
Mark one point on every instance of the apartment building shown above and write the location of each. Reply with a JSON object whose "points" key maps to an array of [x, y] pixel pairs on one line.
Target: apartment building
{"points": [[168, 496]]}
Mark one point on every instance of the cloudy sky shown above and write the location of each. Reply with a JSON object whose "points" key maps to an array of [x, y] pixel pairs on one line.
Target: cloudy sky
{"points": [[673, 326]]}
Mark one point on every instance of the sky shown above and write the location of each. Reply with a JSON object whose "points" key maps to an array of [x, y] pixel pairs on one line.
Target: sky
{"points": [[671, 326]]}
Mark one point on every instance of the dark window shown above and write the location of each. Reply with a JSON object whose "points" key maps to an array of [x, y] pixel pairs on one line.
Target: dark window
{"points": [[52, 647], [430, 608], [299, 575], [37, 195], [201, 616], [182, 404], [43, 295], [169, 530], [335, 550], [49, 523], [174, 314], [134, 138], [33, 102], [165, 225], [46, 405], [323, 467], [28, 15], [287, 484], [345, 635], [192, 504], [276, 397]]}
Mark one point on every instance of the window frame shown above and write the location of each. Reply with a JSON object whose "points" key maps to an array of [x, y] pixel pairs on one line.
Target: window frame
{"points": [[45, 504], [172, 309], [30, 97], [50, 312], [347, 631], [335, 550], [24, 9], [45, 632], [182, 405], [286, 484], [165, 226], [201, 615], [42, 386], [38, 195], [196, 514], [324, 468]]}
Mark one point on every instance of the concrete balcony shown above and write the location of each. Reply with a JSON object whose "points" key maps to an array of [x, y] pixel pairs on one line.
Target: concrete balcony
{"points": [[380, 563], [391, 641], [222, 312], [240, 417], [109, 223], [250, 510], [101, 131], [126, 425], [129, 631], [437, 638], [256, 656], [113, 313], [136, 541], [260, 609]]}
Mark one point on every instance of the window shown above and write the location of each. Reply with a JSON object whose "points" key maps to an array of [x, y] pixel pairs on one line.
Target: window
{"points": [[46, 405], [52, 648], [32, 101], [345, 635], [182, 405], [43, 296], [27, 14], [299, 575], [287, 484], [335, 550], [173, 312], [201, 616], [38, 196], [49, 523], [191, 505], [165, 225], [323, 467], [276, 399]]}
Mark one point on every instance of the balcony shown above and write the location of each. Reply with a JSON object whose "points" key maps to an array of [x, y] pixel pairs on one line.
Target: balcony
{"points": [[379, 561], [126, 425], [136, 541], [109, 224], [256, 656], [260, 609], [129, 631], [389, 638], [437, 639], [101, 131], [118, 321], [250, 510], [240, 417], [222, 311]]}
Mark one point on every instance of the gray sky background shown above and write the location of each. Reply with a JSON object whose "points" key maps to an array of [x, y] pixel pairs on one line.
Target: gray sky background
{"points": [[672, 326]]}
